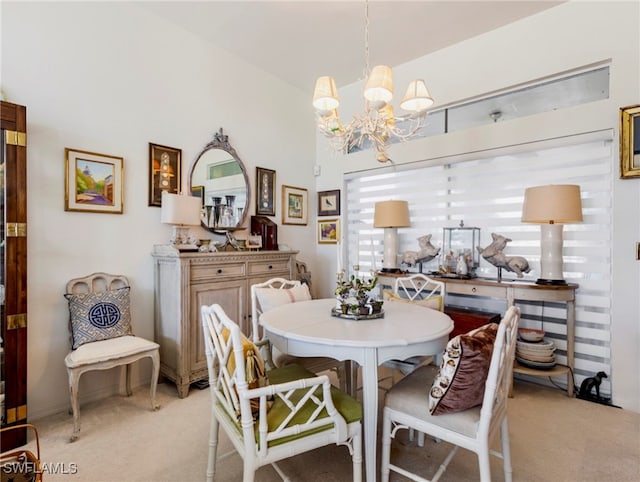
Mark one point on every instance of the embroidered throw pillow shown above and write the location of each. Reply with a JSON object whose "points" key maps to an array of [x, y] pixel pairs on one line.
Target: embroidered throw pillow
{"points": [[270, 298], [435, 302], [460, 381], [99, 316]]}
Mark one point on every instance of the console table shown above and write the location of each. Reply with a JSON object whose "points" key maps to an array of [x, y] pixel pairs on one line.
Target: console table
{"points": [[512, 291]]}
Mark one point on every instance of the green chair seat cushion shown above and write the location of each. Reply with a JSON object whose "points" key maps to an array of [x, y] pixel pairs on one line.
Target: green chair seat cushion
{"points": [[347, 406]]}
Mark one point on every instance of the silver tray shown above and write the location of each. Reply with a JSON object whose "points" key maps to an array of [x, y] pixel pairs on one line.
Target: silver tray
{"points": [[351, 316]]}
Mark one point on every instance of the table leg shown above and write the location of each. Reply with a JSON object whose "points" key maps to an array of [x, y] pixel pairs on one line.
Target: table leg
{"points": [[370, 405]]}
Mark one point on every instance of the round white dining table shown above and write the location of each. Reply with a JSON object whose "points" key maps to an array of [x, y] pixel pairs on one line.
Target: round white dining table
{"points": [[307, 328]]}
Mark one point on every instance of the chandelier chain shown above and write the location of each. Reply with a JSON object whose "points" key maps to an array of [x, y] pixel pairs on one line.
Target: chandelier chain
{"points": [[367, 69]]}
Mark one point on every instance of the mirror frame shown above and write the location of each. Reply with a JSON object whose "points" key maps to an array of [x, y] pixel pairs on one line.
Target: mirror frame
{"points": [[221, 141]]}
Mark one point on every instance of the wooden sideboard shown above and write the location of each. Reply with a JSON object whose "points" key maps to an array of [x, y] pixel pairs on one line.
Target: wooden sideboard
{"points": [[184, 281], [511, 291]]}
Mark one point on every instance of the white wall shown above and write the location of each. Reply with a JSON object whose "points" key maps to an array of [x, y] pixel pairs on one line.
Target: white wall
{"points": [[562, 38], [111, 77]]}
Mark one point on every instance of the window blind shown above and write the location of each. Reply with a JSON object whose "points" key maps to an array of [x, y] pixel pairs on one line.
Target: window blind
{"points": [[487, 191]]}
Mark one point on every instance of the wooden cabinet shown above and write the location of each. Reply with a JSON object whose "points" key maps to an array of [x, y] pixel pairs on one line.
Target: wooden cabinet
{"points": [[13, 273], [186, 281]]}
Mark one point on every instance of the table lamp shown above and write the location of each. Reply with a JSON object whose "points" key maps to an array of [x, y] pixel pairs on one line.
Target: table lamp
{"points": [[552, 206], [391, 215], [181, 211]]}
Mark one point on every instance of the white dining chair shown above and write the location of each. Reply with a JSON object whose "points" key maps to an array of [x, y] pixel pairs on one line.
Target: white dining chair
{"points": [[407, 405], [420, 289], [295, 412], [265, 296]]}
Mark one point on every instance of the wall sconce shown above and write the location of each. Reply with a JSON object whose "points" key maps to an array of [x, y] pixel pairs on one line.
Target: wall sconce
{"points": [[552, 206], [181, 211], [391, 215]]}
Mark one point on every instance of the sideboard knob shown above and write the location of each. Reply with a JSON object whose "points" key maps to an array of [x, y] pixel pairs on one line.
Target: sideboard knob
{"points": [[220, 271], [473, 290]]}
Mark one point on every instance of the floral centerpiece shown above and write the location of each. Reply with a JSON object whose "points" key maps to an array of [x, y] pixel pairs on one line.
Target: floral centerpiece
{"points": [[355, 295]]}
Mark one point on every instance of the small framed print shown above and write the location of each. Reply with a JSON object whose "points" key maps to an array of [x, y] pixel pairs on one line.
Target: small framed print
{"points": [[93, 182], [164, 172], [630, 142], [198, 191], [265, 192], [328, 231], [329, 203], [294, 205]]}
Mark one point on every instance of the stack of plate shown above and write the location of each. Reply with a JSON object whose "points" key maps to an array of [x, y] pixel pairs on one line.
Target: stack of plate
{"points": [[536, 354]]}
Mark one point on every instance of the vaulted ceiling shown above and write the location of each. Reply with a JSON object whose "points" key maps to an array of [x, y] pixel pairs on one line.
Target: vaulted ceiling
{"points": [[299, 41]]}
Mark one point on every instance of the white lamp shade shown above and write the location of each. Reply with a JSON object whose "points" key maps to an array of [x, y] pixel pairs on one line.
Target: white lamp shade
{"points": [[552, 204], [391, 214], [325, 95], [379, 88], [181, 210], [417, 98]]}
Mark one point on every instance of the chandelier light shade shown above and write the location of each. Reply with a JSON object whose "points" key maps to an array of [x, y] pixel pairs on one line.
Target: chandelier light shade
{"points": [[379, 88], [417, 98], [552, 207], [325, 95], [379, 125], [391, 215]]}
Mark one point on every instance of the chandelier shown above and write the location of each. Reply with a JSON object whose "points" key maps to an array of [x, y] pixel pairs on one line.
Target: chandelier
{"points": [[378, 124]]}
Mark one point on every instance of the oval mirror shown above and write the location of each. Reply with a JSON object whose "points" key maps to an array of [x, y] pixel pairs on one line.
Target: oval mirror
{"points": [[219, 177]]}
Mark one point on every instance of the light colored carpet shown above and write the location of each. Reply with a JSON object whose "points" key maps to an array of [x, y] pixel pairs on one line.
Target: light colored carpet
{"points": [[553, 438]]}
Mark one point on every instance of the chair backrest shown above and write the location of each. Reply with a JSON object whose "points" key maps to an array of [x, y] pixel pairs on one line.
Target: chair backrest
{"points": [[419, 287], [96, 283], [256, 309], [499, 378], [222, 342], [230, 390]]}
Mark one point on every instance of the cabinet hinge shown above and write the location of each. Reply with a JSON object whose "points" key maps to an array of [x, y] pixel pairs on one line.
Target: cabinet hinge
{"points": [[16, 230], [16, 413], [16, 321], [15, 138]]}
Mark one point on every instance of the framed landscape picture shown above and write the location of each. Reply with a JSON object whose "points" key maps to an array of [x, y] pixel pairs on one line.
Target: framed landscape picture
{"points": [[329, 203], [294, 205], [328, 231], [93, 182], [265, 192], [164, 172], [630, 141]]}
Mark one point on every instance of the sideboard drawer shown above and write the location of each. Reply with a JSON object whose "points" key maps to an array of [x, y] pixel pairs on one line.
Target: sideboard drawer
{"points": [[278, 266], [210, 271], [476, 290]]}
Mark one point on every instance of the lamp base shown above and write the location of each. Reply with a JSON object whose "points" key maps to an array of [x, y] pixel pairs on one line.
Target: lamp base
{"points": [[391, 270], [551, 282]]}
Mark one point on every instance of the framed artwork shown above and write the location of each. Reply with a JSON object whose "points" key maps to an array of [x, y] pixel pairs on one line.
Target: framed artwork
{"points": [[164, 172], [329, 203], [93, 182], [328, 231], [630, 141], [294, 205], [198, 191], [265, 192]]}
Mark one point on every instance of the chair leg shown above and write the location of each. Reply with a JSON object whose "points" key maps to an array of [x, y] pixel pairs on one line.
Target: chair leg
{"points": [[506, 450], [128, 380], [485, 464], [357, 457], [155, 358], [74, 381], [386, 447], [213, 447]]}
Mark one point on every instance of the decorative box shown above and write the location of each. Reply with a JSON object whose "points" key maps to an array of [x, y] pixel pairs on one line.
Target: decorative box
{"points": [[460, 245]]}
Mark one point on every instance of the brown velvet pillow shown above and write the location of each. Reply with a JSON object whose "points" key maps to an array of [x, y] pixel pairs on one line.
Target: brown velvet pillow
{"points": [[459, 384]]}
